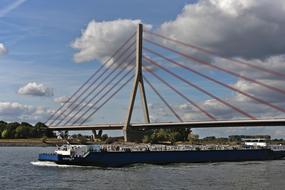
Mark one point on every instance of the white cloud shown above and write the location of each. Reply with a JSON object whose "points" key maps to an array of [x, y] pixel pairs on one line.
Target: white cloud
{"points": [[61, 99], [185, 107], [222, 112], [272, 63], [14, 108], [101, 39], [3, 49], [64, 115], [274, 97], [249, 29], [14, 111], [257, 109], [259, 91], [35, 89], [246, 28]]}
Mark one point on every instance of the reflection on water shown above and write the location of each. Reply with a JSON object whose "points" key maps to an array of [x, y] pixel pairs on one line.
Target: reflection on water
{"points": [[21, 170]]}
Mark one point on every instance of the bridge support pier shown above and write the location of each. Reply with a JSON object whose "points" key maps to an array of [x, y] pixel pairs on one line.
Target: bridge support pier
{"points": [[130, 133], [97, 135], [133, 135]]}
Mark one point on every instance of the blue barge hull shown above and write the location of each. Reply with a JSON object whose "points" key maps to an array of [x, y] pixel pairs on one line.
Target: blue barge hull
{"points": [[119, 159]]}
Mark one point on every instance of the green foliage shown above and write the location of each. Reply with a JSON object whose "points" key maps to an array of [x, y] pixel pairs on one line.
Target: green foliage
{"points": [[82, 139], [5, 134], [2, 127], [170, 135], [211, 138], [104, 137], [24, 130], [42, 130]]}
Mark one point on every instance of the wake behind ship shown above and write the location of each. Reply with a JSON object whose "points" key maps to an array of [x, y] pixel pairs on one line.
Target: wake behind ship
{"points": [[122, 155]]}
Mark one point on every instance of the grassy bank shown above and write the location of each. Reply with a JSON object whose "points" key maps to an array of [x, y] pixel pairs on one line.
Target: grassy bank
{"points": [[29, 142]]}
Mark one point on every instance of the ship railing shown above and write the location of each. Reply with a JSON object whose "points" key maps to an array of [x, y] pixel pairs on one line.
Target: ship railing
{"points": [[277, 147], [86, 154], [136, 148]]}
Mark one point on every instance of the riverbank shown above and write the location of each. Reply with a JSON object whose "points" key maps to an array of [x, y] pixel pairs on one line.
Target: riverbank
{"points": [[34, 142], [40, 142]]}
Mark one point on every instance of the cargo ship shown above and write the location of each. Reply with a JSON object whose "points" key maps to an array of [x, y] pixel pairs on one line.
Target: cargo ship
{"points": [[126, 154]]}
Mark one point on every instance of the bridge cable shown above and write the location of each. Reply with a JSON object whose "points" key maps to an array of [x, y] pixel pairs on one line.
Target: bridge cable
{"points": [[199, 88], [90, 78], [92, 85], [218, 82], [162, 99], [100, 91], [100, 83], [218, 68], [180, 93], [108, 99], [206, 51]]}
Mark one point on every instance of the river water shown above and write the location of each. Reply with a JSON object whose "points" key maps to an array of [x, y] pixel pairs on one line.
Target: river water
{"points": [[19, 169]]}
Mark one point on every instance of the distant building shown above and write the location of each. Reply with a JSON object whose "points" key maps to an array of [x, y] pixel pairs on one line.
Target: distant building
{"points": [[240, 137]]}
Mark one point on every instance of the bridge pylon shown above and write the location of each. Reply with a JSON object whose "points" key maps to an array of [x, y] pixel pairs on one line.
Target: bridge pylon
{"points": [[130, 133]]}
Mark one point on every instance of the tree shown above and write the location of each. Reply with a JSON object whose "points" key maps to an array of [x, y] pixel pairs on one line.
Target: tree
{"points": [[11, 130], [3, 126], [23, 131], [6, 134], [42, 130]]}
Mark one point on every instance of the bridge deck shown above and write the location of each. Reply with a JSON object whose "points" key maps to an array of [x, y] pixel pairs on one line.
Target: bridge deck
{"points": [[194, 124]]}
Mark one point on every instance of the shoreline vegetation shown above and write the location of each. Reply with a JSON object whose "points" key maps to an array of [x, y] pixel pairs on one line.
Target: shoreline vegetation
{"points": [[25, 134], [38, 142], [24, 130], [52, 142]]}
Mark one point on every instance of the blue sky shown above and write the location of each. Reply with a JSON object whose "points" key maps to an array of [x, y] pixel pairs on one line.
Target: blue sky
{"points": [[38, 37]]}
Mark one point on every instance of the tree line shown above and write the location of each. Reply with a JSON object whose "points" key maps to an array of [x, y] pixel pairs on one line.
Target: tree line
{"points": [[17, 130]]}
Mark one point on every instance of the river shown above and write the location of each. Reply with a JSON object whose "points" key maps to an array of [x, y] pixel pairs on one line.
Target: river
{"points": [[19, 169]]}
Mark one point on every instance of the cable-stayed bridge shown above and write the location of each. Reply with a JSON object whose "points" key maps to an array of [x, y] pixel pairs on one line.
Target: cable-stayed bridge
{"points": [[137, 63]]}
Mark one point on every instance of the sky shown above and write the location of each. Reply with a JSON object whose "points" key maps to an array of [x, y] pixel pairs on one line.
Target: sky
{"points": [[49, 48]]}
